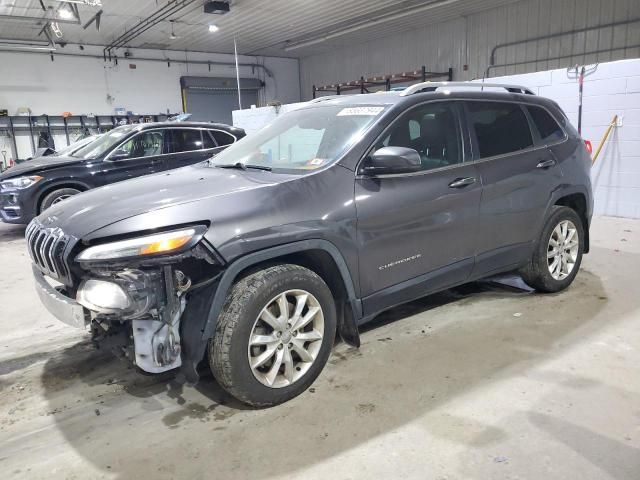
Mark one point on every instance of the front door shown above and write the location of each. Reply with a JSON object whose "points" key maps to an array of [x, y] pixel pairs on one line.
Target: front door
{"points": [[141, 155], [416, 232]]}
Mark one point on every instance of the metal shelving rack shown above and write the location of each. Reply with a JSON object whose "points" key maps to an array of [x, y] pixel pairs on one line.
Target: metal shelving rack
{"points": [[364, 84], [32, 125]]}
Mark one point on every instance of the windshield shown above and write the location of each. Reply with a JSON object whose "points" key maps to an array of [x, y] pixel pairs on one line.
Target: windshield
{"points": [[69, 149], [301, 140], [104, 143]]}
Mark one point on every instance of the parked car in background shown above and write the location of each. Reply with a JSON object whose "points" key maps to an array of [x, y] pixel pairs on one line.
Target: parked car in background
{"points": [[315, 224], [125, 152]]}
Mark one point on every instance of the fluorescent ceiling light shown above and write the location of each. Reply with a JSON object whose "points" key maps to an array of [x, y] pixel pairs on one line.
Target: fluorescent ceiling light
{"points": [[16, 41], [15, 46], [91, 3], [213, 28]]}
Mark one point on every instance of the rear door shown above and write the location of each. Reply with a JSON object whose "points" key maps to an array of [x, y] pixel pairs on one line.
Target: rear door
{"points": [[518, 174], [141, 154], [416, 231], [187, 146]]}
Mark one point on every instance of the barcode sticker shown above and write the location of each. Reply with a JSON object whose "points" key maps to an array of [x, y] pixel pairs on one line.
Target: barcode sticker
{"points": [[369, 111]]}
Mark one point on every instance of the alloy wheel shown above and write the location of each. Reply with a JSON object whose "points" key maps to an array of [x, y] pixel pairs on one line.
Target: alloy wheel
{"points": [[286, 338], [562, 250], [60, 198]]}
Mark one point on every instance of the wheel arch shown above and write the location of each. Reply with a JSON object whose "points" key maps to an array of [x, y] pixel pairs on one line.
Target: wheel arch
{"points": [[577, 201], [320, 256], [57, 186]]}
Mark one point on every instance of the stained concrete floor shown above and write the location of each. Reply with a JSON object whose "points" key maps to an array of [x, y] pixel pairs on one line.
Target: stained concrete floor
{"points": [[483, 382]]}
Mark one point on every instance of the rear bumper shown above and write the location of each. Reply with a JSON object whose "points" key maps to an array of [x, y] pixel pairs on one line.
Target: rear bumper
{"points": [[59, 305]]}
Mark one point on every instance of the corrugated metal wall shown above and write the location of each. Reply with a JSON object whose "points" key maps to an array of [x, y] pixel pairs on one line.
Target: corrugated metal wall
{"points": [[470, 40]]}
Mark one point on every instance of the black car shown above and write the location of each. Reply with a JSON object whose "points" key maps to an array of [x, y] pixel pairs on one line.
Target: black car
{"points": [[315, 224], [125, 152]]}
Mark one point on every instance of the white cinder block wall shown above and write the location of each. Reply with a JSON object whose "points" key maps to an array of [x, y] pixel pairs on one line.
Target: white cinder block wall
{"points": [[613, 89], [253, 119]]}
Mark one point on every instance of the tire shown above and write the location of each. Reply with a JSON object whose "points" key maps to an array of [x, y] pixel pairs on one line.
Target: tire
{"points": [[56, 196], [537, 273], [255, 298]]}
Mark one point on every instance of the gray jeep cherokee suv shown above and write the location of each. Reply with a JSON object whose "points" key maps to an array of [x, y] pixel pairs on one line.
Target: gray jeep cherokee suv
{"points": [[314, 225]]}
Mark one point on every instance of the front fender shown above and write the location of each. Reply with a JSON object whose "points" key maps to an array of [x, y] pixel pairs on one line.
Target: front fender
{"points": [[209, 303]]}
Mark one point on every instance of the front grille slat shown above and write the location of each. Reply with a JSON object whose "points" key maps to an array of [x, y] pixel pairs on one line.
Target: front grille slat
{"points": [[46, 247], [47, 253], [42, 234]]}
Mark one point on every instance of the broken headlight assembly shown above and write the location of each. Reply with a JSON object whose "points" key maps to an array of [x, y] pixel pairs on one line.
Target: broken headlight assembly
{"points": [[175, 241], [117, 286], [128, 293]]}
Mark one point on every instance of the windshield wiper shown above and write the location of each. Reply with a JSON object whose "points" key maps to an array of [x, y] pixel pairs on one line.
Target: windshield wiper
{"points": [[245, 166]]}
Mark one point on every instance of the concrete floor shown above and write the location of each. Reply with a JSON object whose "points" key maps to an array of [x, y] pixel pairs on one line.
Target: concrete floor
{"points": [[482, 382]]}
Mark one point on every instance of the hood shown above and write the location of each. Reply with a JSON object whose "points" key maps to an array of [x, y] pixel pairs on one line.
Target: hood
{"points": [[38, 165], [164, 192]]}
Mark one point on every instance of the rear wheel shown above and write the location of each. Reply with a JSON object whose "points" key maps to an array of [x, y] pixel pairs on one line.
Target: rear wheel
{"points": [[56, 197], [274, 335], [558, 254]]}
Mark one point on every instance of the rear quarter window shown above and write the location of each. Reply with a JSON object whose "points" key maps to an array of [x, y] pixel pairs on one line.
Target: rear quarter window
{"points": [[222, 138], [547, 127]]}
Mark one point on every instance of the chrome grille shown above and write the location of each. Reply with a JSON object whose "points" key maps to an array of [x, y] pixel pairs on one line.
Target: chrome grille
{"points": [[46, 247]]}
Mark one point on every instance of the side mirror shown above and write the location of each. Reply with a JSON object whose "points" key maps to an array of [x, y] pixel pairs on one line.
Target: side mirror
{"points": [[390, 160], [118, 155]]}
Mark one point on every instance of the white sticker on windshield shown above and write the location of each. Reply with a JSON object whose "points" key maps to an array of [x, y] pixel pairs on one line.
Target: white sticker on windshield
{"points": [[370, 111]]}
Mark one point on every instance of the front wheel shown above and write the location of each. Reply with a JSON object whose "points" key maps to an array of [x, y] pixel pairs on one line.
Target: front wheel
{"points": [[558, 254], [274, 335], [56, 197]]}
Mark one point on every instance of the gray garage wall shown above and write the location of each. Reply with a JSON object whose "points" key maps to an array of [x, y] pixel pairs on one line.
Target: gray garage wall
{"points": [[469, 41]]}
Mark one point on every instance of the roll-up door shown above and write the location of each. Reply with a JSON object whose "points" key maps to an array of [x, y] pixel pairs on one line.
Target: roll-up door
{"points": [[212, 99]]}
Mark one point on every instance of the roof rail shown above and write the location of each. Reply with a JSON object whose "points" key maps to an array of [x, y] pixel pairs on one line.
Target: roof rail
{"points": [[326, 98], [433, 86]]}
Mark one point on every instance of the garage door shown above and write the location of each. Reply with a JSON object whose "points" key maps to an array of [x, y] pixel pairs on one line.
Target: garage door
{"points": [[212, 99]]}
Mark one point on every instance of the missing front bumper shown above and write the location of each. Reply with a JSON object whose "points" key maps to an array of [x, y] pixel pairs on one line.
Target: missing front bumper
{"points": [[59, 305]]}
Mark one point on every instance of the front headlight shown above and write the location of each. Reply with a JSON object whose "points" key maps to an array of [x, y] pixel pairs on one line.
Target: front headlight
{"points": [[20, 182], [159, 243]]}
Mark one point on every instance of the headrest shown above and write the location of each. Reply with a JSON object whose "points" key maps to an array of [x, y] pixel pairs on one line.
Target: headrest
{"points": [[432, 130]]}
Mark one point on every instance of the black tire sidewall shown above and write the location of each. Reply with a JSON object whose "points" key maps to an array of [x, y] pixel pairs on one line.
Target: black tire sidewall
{"points": [[48, 200], [540, 263], [244, 381]]}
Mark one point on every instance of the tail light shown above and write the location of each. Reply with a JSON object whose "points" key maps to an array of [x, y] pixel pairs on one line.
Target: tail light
{"points": [[587, 143]]}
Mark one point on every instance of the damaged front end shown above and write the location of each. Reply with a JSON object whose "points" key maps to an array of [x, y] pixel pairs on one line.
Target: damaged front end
{"points": [[136, 313], [133, 292]]}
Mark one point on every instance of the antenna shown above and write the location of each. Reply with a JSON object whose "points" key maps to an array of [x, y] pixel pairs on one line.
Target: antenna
{"points": [[235, 50]]}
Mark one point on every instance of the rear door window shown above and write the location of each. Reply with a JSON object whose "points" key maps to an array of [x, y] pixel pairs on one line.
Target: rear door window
{"points": [[547, 127], [500, 127], [185, 140]]}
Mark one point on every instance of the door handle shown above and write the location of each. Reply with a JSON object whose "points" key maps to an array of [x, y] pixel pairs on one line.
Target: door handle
{"points": [[546, 163], [462, 182]]}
